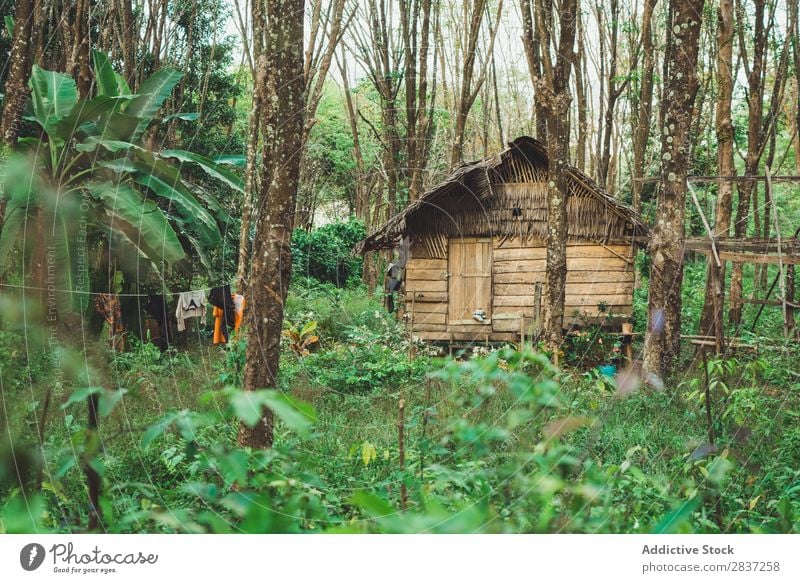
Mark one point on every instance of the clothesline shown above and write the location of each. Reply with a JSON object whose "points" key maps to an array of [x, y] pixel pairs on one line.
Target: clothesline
{"points": [[227, 312], [91, 293]]}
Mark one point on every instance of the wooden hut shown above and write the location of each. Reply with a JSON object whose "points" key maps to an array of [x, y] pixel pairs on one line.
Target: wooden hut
{"points": [[474, 249]]}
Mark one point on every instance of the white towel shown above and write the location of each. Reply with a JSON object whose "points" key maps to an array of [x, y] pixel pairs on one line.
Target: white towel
{"points": [[190, 305]]}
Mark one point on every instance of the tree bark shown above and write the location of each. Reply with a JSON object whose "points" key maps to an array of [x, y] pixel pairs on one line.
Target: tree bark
{"points": [[641, 133], [16, 87], [282, 128], [416, 28], [472, 80], [78, 61], [251, 174], [662, 341], [748, 189], [553, 91], [580, 95], [712, 307], [532, 42]]}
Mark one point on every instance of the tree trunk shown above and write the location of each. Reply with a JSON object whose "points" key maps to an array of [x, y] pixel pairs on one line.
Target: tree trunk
{"points": [[78, 61], [532, 42], [252, 177], [753, 157], [725, 163], [415, 18], [580, 94], [272, 261], [662, 341], [471, 79], [16, 87], [641, 133], [553, 90]]}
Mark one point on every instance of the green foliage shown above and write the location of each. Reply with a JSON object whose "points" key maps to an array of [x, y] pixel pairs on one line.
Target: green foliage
{"points": [[336, 310], [497, 443], [358, 368], [95, 185], [591, 346], [327, 253]]}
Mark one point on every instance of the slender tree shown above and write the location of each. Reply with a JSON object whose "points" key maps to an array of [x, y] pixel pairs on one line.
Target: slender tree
{"points": [[472, 78], [614, 89], [417, 32], [282, 121], [552, 89], [16, 87], [662, 341], [379, 52], [641, 132], [532, 42], [759, 127], [715, 290]]}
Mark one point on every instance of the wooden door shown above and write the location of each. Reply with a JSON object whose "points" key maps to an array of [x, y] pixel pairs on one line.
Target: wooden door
{"points": [[470, 276]]}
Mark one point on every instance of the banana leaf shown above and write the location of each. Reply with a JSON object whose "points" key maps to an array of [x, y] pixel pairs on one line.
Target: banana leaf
{"points": [[238, 160], [122, 85], [20, 190], [86, 112], [53, 96], [104, 75], [70, 254], [209, 167], [117, 126], [91, 143], [152, 94], [193, 215], [140, 220]]}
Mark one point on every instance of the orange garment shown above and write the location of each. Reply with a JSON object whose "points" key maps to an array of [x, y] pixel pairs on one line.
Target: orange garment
{"points": [[238, 302]]}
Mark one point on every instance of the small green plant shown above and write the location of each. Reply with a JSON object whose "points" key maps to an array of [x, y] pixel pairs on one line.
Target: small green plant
{"points": [[302, 339]]}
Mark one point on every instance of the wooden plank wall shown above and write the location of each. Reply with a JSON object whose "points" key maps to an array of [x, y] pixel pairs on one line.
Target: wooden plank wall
{"points": [[426, 294], [595, 274]]}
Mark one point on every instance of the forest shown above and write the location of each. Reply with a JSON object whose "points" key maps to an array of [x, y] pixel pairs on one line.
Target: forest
{"points": [[399, 266]]}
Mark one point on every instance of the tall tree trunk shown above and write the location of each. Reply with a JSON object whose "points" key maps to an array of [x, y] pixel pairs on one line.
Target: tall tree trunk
{"points": [[532, 41], [16, 88], [415, 18], [714, 298], [580, 94], [471, 79], [79, 53], [272, 261], [755, 82], [252, 176], [641, 133], [662, 341], [553, 90]]}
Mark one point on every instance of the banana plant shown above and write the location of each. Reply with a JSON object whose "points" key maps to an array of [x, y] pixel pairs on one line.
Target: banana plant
{"points": [[89, 179]]}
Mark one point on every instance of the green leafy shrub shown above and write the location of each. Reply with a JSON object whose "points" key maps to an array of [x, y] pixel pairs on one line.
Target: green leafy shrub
{"points": [[337, 311], [361, 368], [326, 253]]}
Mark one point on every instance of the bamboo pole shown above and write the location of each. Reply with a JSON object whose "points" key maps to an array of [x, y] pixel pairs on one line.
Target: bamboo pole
{"points": [[715, 272], [781, 268], [402, 448]]}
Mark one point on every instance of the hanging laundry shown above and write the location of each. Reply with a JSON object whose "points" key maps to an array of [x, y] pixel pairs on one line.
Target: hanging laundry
{"points": [[391, 284], [228, 310], [190, 305], [157, 307], [107, 305], [238, 306]]}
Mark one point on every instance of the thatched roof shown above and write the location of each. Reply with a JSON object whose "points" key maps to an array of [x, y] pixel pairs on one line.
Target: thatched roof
{"points": [[506, 195]]}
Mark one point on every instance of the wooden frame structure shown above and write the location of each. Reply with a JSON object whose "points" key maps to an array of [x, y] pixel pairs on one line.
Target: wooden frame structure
{"points": [[475, 248], [754, 250]]}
